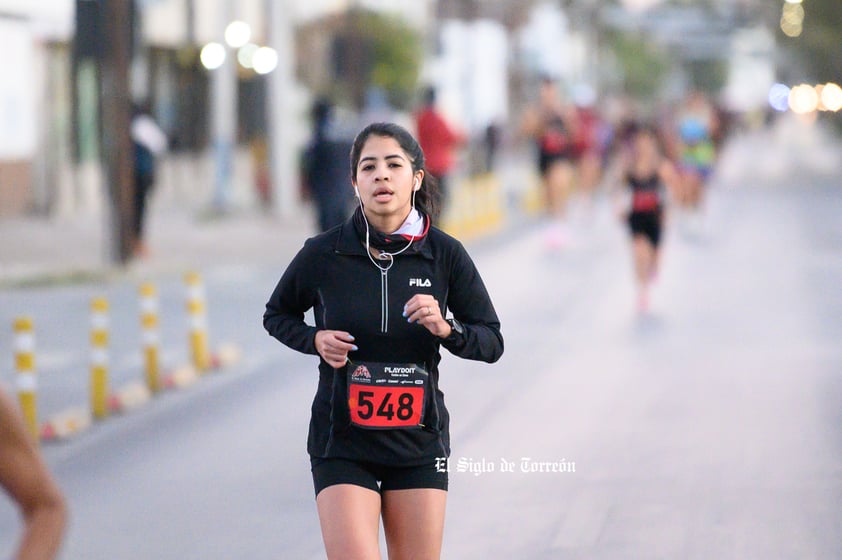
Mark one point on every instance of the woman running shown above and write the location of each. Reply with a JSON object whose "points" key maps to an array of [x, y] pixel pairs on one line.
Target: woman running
{"points": [[381, 285], [552, 125], [697, 154], [647, 174]]}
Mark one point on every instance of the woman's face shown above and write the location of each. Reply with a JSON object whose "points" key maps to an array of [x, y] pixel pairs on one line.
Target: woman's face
{"points": [[645, 144], [384, 177]]}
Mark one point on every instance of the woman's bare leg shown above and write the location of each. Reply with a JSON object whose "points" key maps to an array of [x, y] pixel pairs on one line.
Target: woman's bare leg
{"points": [[350, 519], [414, 523]]}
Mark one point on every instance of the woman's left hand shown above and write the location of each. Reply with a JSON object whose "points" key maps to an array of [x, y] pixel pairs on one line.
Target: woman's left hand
{"points": [[424, 310]]}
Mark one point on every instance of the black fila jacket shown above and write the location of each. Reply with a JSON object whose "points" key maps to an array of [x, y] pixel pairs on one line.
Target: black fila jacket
{"points": [[333, 275]]}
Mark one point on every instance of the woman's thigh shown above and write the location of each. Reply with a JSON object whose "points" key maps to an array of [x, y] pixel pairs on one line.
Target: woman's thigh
{"points": [[414, 523], [350, 520]]}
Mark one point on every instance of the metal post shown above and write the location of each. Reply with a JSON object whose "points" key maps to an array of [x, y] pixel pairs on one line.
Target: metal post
{"points": [[198, 322], [224, 117], [151, 340], [99, 358], [24, 347]]}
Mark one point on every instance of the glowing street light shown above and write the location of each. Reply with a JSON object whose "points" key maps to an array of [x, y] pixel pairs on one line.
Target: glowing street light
{"points": [[792, 19], [245, 56], [779, 97], [832, 97], [803, 99], [212, 56], [265, 60], [237, 34]]}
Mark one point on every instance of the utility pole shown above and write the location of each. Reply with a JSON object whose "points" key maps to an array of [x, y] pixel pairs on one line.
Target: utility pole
{"points": [[117, 154], [281, 110]]}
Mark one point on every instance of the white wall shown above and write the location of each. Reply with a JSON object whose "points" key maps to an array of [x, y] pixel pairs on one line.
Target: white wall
{"points": [[17, 91], [471, 74], [751, 70], [50, 18], [545, 42]]}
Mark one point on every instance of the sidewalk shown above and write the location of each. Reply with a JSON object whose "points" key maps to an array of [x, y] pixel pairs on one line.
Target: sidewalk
{"points": [[43, 251], [39, 251]]}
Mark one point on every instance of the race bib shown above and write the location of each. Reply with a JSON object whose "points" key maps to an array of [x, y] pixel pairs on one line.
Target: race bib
{"points": [[385, 395]]}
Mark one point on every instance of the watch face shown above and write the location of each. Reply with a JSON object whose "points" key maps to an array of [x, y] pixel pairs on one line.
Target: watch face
{"points": [[456, 326]]}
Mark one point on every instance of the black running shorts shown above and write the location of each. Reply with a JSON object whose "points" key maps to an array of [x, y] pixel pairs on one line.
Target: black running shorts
{"points": [[647, 224], [376, 477]]}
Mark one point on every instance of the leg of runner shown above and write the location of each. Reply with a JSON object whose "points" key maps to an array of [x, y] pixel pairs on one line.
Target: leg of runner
{"points": [[414, 523], [559, 183], [350, 519], [558, 180], [643, 261]]}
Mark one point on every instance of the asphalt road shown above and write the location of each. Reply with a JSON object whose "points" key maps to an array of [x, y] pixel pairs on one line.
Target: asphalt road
{"points": [[706, 428]]}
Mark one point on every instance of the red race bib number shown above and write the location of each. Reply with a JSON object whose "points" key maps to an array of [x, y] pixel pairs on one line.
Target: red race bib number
{"points": [[383, 396]]}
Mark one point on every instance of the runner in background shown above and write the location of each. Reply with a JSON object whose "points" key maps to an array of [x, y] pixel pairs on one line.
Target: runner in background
{"points": [[647, 174], [552, 125], [588, 146], [439, 140], [696, 127]]}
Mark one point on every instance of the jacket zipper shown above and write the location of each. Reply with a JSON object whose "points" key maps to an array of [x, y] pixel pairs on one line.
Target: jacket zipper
{"points": [[384, 300]]}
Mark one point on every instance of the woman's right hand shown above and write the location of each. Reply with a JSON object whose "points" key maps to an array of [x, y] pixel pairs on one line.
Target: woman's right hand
{"points": [[333, 347]]}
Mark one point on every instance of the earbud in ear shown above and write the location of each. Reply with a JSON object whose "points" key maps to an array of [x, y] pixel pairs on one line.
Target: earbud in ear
{"points": [[356, 191], [416, 186]]}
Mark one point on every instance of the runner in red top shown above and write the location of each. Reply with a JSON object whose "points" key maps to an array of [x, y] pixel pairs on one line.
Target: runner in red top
{"points": [[439, 141]]}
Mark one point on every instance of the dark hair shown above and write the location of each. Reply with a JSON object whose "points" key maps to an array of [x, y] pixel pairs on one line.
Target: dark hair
{"points": [[428, 197], [429, 95]]}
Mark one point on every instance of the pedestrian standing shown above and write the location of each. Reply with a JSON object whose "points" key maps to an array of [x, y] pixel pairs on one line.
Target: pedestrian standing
{"points": [[149, 142], [381, 287], [26, 479], [327, 174], [439, 140]]}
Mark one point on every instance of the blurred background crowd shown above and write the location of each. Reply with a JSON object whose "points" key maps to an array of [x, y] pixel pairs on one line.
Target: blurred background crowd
{"points": [[220, 105]]}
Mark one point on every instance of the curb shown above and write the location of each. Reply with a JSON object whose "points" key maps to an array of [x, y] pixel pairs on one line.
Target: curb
{"points": [[76, 420]]}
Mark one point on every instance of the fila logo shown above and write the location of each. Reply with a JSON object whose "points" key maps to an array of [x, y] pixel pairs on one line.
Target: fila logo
{"points": [[420, 282]]}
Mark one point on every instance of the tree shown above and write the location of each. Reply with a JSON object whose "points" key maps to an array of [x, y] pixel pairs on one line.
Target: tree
{"points": [[643, 64], [373, 49]]}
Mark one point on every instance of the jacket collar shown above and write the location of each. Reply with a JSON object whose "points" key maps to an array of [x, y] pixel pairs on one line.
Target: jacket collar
{"points": [[349, 243]]}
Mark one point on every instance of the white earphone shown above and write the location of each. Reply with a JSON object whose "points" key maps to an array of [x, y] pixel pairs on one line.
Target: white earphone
{"points": [[416, 186]]}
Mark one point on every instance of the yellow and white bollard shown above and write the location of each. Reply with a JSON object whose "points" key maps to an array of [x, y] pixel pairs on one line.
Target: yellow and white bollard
{"points": [[151, 339], [198, 322], [24, 345], [99, 358]]}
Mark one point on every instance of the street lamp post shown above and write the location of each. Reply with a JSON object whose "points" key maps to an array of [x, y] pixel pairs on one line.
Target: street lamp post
{"points": [[224, 118], [281, 110]]}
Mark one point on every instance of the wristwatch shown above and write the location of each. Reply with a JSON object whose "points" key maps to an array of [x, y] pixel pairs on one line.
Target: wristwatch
{"points": [[456, 328]]}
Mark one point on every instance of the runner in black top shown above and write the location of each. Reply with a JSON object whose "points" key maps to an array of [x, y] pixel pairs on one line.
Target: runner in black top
{"points": [[552, 125], [647, 173], [380, 286]]}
